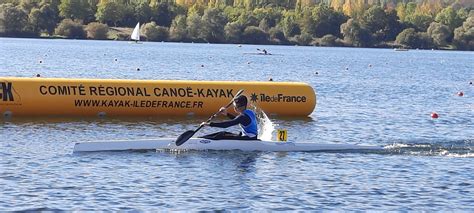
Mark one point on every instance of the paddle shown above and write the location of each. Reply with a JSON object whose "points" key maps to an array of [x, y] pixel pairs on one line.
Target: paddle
{"points": [[264, 51], [188, 134]]}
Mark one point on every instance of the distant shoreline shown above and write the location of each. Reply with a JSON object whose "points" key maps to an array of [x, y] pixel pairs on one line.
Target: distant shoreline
{"points": [[388, 46]]}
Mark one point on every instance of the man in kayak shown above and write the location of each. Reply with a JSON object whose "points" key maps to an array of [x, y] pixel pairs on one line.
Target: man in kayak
{"points": [[246, 119]]}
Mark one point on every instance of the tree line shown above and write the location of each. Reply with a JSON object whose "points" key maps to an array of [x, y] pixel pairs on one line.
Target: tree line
{"points": [[445, 24]]}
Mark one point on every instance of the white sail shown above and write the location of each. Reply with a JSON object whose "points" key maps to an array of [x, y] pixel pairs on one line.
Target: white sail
{"points": [[136, 33]]}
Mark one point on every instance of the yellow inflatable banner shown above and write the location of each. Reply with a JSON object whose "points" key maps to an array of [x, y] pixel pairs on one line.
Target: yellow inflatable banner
{"points": [[92, 97]]}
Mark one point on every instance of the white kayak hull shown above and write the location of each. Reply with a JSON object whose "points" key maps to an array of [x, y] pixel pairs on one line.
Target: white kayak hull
{"points": [[206, 144]]}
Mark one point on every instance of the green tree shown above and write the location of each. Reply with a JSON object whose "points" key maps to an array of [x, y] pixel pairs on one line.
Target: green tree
{"points": [[43, 19], [96, 30], [277, 36], [304, 39], [248, 19], [143, 12], [355, 34], [306, 22], [128, 16], [449, 17], [254, 35], [327, 21], [393, 27], [424, 41], [233, 13], [74, 9], [162, 14], [13, 20], [439, 33], [28, 5], [109, 12], [154, 32], [290, 26], [49, 18], [464, 35], [410, 10], [419, 21], [375, 19], [70, 29], [233, 32], [193, 23], [329, 41], [409, 37], [213, 22], [264, 25], [178, 30], [35, 20], [271, 16]]}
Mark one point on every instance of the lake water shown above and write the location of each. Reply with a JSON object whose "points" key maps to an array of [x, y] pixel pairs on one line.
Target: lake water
{"points": [[365, 96]]}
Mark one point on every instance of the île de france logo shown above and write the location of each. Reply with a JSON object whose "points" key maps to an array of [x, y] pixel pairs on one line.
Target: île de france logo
{"points": [[261, 97]]}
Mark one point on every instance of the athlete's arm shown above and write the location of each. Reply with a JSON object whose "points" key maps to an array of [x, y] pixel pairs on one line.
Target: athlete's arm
{"points": [[241, 119]]}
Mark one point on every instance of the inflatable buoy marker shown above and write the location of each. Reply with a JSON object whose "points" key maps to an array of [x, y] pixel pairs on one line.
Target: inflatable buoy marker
{"points": [[38, 75], [101, 114], [434, 115], [460, 93], [7, 114]]}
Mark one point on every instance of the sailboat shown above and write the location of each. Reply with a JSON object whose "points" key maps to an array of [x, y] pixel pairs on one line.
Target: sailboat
{"points": [[136, 34]]}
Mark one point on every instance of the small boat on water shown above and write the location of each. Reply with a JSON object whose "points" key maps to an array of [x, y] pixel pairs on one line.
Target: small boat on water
{"points": [[207, 144], [400, 49], [136, 34]]}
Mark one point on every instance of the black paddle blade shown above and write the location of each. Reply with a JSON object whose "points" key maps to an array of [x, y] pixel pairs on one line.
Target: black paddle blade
{"points": [[184, 137]]}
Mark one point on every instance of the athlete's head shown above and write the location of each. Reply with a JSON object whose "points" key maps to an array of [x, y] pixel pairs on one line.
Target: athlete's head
{"points": [[240, 102]]}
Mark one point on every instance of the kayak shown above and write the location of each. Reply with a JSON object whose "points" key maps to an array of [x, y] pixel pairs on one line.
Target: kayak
{"points": [[207, 144]]}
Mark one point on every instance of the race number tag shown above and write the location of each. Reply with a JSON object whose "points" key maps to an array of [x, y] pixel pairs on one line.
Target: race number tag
{"points": [[282, 135]]}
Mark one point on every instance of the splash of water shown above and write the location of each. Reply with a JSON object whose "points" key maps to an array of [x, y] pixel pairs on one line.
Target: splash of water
{"points": [[265, 125]]}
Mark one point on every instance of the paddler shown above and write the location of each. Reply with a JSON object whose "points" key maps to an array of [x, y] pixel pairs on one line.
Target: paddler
{"points": [[246, 119]]}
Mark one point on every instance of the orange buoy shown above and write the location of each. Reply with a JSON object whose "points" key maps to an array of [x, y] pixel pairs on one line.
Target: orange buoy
{"points": [[434, 115], [460, 93]]}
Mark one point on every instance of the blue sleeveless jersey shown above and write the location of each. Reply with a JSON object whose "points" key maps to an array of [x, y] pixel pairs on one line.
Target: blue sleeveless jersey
{"points": [[250, 130]]}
